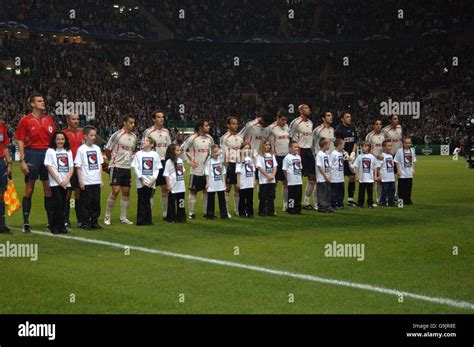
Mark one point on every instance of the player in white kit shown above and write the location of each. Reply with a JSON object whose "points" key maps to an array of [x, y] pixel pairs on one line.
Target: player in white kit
{"points": [[279, 136], [393, 132], [230, 145], [301, 131], [162, 139], [195, 150], [376, 137]]}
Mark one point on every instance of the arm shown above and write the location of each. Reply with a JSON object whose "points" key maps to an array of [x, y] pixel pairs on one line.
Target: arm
{"points": [[21, 149], [79, 177], [168, 183]]}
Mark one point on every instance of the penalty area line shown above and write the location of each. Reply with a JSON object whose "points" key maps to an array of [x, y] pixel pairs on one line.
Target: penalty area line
{"points": [[282, 273]]}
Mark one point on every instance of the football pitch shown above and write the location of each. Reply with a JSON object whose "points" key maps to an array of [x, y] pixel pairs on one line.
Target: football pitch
{"points": [[417, 259]]}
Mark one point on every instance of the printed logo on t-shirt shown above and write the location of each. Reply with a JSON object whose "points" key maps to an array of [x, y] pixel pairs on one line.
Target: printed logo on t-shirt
{"points": [[179, 172], [63, 162], [147, 166], [407, 159], [1, 137], [340, 162], [389, 164], [217, 172], [249, 169], [327, 167], [366, 162], [268, 165], [92, 160], [50, 129], [297, 167]]}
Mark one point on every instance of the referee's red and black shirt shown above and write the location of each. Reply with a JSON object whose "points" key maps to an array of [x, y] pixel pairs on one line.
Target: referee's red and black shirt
{"points": [[4, 139], [76, 139], [35, 132]]}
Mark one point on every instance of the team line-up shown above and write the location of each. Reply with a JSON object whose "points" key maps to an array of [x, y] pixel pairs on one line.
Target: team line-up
{"points": [[265, 151]]}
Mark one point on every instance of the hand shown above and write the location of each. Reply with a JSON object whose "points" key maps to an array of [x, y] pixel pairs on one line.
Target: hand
{"points": [[101, 185], [9, 171], [82, 186], [170, 188], [413, 172], [237, 186], [328, 177], [207, 186], [24, 168], [64, 184], [193, 164]]}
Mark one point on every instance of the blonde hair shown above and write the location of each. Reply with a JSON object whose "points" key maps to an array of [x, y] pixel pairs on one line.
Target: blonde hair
{"points": [[261, 148]]}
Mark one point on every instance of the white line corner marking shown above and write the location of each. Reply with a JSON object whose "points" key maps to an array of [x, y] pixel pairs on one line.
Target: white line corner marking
{"points": [[442, 301]]}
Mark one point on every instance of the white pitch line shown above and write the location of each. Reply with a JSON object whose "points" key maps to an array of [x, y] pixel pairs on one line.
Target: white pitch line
{"points": [[368, 287]]}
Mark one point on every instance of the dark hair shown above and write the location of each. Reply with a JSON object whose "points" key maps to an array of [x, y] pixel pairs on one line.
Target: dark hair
{"points": [[232, 117], [88, 128], [343, 113], [325, 114], [127, 117], [377, 120], [282, 113], [32, 97], [171, 154], [292, 142], [199, 125], [153, 115], [52, 144]]}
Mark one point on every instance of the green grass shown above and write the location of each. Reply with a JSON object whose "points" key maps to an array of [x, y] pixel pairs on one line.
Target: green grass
{"points": [[408, 249]]}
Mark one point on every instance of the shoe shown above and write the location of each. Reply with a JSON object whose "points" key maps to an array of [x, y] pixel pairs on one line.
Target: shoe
{"points": [[163, 219], [351, 203], [107, 220], [251, 216], [331, 210], [125, 221], [63, 231], [192, 216], [67, 225], [26, 228], [307, 207], [285, 207], [374, 205], [5, 230], [315, 208], [96, 226], [85, 227], [229, 215], [262, 215]]}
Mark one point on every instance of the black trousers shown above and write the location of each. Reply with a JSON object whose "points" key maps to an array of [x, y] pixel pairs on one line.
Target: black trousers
{"points": [[266, 196], [323, 192], [211, 200], [90, 202], [58, 205], [388, 193], [144, 206], [295, 194], [246, 202], [363, 187], [337, 194], [404, 190], [176, 210]]}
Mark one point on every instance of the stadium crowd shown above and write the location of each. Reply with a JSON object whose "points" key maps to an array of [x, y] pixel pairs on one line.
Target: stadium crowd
{"points": [[207, 84]]}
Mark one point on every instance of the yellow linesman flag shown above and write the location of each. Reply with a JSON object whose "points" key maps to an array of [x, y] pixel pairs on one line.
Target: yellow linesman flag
{"points": [[11, 199]]}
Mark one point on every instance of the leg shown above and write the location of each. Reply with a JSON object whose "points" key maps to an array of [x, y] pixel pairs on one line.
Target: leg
{"points": [[271, 200], [48, 201], [164, 199], [111, 202], [341, 195], [192, 202], [284, 190], [291, 199], [408, 190], [171, 213], [351, 188], [210, 205], [298, 196], [222, 206], [383, 198], [124, 202], [309, 191], [360, 200], [249, 202], [181, 212], [96, 204], [262, 206], [391, 193], [370, 194], [141, 206], [86, 207], [236, 201]]}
